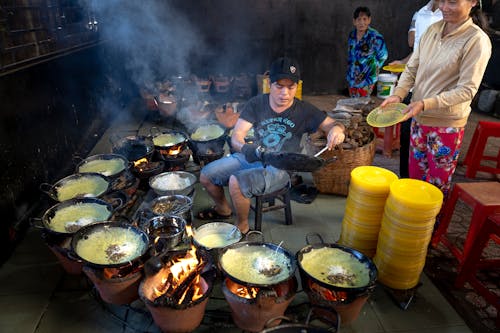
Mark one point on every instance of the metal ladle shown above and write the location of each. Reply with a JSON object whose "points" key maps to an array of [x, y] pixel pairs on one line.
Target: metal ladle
{"points": [[321, 151]]}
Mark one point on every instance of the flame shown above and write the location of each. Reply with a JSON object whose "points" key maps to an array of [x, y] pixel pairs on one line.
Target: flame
{"points": [[178, 271], [247, 292], [139, 163], [327, 294], [189, 231], [174, 151]]}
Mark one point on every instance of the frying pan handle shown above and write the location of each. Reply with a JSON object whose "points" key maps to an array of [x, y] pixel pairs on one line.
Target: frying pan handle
{"points": [[71, 255], [77, 159], [46, 188], [154, 131], [330, 160], [314, 234], [254, 232], [36, 222], [116, 203], [273, 319], [156, 100]]}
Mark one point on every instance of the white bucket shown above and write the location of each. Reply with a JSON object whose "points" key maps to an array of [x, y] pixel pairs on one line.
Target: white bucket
{"points": [[386, 84]]}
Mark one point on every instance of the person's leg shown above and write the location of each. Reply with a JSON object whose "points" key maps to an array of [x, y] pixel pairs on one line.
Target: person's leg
{"points": [[444, 147], [217, 194], [241, 205], [214, 176], [418, 167], [404, 144], [404, 149], [246, 184]]}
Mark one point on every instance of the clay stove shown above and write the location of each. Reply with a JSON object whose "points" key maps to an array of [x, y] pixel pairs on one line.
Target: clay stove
{"points": [[116, 285], [252, 307], [177, 294], [327, 302]]}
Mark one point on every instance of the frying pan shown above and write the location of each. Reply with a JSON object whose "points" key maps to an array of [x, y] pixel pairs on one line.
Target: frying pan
{"points": [[295, 161]]}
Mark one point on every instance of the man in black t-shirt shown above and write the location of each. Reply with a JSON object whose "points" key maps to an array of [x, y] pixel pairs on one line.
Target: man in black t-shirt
{"points": [[279, 120]]}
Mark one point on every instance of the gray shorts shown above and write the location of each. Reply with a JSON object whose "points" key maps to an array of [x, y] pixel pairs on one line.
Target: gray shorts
{"points": [[254, 178]]}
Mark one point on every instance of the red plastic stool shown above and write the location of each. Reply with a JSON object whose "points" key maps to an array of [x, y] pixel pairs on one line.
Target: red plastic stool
{"points": [[484, 130], [474, 262], [387, 143], [483, 198]]}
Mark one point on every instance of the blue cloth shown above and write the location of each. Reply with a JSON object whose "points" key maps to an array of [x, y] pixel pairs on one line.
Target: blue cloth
{"points": [[365, 57], [254, 178]]}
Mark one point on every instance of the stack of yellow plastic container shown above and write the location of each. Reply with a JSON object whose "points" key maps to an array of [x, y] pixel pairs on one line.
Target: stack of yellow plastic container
{"points": [[406, 229], [368, 191]]}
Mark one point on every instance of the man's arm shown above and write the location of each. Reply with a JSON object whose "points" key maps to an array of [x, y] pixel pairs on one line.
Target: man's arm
{"points": [[335, 131], [240, 131]]}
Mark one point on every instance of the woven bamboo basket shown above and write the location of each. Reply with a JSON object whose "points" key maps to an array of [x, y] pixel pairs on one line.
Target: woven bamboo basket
{"points": [[334, 178]]}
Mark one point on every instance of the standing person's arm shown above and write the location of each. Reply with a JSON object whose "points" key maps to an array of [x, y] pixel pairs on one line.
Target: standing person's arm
{"points": [[380, 48], [411, 42]]}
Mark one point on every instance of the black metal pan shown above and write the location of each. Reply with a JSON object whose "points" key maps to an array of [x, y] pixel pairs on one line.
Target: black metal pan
{"points": [[295, 161]]}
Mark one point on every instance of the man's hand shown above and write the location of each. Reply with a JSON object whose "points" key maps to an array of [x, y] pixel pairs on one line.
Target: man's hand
{"points": [[252, 152]]}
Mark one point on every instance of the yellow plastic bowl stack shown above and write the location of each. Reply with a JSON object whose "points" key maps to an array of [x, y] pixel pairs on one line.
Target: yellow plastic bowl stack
{"points": [[365, 203], [406, 229]]}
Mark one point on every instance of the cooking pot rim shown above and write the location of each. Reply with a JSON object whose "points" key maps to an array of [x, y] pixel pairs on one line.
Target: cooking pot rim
{"points": [[84, 231], [46, 217], [214, 224], [188, 200], [220, 137], [142, 139], [187, 174], [108, 156], [289, 255], [52, 191], [373, 272], [180, 221]]}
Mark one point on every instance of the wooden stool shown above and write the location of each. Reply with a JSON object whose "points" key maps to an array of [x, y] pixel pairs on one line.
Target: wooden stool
{"points": [[484, 130], [388, 138], [267, 202], [483, 198], [473, 263]]}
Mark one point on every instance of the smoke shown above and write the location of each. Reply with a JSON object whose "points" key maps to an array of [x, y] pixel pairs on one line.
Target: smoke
{"points": [[154, 41], [150, 38]]}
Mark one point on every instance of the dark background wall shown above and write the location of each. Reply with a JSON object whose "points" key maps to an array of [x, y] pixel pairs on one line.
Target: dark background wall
{"points": [[57, 109]]}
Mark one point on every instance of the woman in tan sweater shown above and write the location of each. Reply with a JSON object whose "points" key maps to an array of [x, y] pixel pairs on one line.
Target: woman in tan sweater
{"points": [[445, 72]]}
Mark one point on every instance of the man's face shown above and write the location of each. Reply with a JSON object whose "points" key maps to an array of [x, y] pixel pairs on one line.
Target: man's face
{"points": [[282, 92], [362, 22]]}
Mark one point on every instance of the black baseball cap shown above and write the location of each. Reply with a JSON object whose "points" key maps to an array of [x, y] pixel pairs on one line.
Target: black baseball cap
{"points": [[284, 68]]}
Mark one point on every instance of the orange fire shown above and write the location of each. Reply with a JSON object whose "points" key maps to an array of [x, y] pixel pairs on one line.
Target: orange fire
{"points": [[327, 294], [141, 163], [177, 274], [247, 292], [174, 152], [189, 231]]}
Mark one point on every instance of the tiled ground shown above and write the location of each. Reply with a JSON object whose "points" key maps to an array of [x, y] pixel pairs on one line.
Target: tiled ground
{"points": [[36, 295]]}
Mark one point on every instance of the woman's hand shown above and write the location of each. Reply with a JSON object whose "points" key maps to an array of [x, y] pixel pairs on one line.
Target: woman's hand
{"points": [[391, 99], [413, 109]]}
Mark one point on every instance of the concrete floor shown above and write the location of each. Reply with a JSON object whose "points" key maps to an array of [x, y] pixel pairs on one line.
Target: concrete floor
{"points": [[36, 295]]}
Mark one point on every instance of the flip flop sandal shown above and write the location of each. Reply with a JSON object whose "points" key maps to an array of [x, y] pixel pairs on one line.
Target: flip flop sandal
{"points": [[211, 214]]}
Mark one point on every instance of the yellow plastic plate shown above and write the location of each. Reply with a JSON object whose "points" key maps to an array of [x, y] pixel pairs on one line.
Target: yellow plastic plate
{"points": [[397, 68], [389, 115]]}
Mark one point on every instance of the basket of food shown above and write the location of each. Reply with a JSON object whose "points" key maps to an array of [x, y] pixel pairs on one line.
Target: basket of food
{"points": [[334, 178], [357, 149]]}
